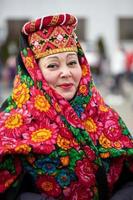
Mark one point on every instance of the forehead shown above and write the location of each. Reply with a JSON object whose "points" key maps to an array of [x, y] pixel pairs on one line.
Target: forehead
{"points": [[63, 55]]}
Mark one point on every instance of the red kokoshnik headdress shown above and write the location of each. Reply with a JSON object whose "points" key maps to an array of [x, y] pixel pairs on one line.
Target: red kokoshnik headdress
{"points": [[52, 34], [61, 144]]}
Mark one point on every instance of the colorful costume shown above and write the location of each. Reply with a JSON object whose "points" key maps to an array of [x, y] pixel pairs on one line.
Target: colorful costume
{"points": [[71, 150]]}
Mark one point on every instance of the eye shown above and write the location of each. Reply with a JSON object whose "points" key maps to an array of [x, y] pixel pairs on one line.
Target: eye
{"points": [[72, 63], [52, 66]]}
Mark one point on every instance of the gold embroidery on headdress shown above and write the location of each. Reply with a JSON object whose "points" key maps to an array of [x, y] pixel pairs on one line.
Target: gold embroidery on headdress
{"points": [[54, 51], [32, 26], [54, 20]]}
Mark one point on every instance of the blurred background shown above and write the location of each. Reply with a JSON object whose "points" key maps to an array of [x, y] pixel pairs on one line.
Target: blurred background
{"points": [[105, 30]]}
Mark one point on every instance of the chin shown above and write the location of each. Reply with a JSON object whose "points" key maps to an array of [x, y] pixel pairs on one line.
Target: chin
{"points": [[69, 97]]}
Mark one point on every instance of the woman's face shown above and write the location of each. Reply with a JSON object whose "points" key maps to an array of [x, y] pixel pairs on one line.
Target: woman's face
{"points": [[62, 72]]}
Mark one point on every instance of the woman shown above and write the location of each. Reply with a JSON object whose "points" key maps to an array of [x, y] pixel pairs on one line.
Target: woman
{"points": [[58, 138]]}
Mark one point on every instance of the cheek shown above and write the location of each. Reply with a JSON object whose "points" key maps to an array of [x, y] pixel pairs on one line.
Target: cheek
{"points": [[78, 75], [50, 77]]}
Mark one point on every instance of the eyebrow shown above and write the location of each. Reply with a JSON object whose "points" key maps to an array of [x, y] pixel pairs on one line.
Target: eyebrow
{"points": [[71, 54], [56, 57]]}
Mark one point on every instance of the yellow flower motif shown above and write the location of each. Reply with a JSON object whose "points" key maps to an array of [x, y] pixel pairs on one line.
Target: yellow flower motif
{"points": [[117, 145], [41, 103], [83, 89], [104, 141], [47, 186], [29, 62], [14, 121], [63, 142], [105, 155], [23, 148], [103, 108], [84, 70], [41, 135], [65, 160], [90, 125], [21, 94]]}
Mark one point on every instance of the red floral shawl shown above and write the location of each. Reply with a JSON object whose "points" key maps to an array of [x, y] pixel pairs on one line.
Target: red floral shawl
{"points": [[60, 144]]}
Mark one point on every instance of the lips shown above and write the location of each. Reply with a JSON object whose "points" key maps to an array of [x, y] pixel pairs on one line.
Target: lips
{"points": [[66, 85]]}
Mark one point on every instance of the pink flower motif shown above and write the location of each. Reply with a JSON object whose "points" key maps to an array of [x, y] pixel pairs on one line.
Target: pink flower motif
{"points": [[111, 115], [39, 106], [42, 136], [85, 172], [13, 124], [126, 141], [78, 191], [72, 118], [8, 145], [112, 129], [91, 109]]}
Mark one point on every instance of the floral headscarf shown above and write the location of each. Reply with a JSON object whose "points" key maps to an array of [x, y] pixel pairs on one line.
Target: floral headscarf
{"points": [[63, 145]]}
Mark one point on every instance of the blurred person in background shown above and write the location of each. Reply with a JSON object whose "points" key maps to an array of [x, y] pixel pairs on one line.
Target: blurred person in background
{"points": [[129, 65], [102, 54], [58, 138], [10, 63], [92, 55], [10, 70], [118, 71]]}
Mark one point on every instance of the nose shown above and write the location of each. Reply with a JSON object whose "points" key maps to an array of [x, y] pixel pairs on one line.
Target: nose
{"points": [[65, 72]]}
